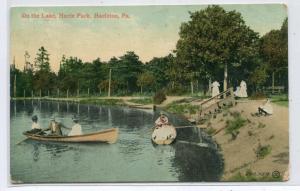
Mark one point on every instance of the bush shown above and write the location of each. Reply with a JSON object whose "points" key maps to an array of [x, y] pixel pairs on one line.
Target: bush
{"points": [[178, 90], [233, 126], [159, 97], [143, 101], [210, 131], [262, 151], [182, 108], [258, 95]]}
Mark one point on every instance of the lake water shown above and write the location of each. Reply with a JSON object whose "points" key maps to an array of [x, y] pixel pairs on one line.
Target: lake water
{"points": [[133, 158]]}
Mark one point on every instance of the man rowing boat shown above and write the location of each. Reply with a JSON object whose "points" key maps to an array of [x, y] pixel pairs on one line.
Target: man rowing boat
{"points": [[54, 127], [162, 120]]}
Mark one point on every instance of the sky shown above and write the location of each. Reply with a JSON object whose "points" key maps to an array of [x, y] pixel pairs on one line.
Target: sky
{"points": [[149, 31]]}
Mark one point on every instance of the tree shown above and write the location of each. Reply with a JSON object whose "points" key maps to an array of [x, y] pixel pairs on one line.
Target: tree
{"points": [[145, 79], [43, 78], [215, 40], [42, 60], [125, 71], [274, 51], [160, 69]]}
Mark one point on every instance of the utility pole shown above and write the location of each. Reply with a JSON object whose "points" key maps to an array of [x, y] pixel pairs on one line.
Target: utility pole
{"points": [[15, 86], [109, 82], [77, 88]]}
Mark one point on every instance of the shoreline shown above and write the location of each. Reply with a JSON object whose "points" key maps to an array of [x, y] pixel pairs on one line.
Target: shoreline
{"points": [[241, 161]]}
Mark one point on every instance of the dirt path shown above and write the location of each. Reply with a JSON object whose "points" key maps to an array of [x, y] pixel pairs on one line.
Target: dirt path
{"points": [[239, 154]]}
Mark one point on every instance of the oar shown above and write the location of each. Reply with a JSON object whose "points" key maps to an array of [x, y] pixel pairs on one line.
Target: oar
{"points": [[27, 138], [22, 141]]}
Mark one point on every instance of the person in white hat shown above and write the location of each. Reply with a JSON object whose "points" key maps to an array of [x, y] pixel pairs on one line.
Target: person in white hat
{"points": [[266, 108], [54, 127], [162, 120], [76, 129]]}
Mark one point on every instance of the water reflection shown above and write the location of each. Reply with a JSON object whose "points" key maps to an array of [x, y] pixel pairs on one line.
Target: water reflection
{"points": [[132, 158]]}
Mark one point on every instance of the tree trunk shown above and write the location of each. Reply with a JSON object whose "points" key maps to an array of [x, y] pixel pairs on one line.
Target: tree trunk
{"points": [[192, 87], [225, 79], [273, 82], [141, 89], [209, 86], [109, 83], [67, 93], [15, 86]]}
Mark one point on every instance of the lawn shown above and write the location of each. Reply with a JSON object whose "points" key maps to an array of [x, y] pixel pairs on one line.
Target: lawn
{"points": [[282, 99]]}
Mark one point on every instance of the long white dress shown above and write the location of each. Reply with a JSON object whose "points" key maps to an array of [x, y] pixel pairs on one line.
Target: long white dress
{"points": [[215, 89], [243, 89], [76, 130]]}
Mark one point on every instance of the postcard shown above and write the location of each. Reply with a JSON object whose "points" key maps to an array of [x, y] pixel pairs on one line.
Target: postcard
{"points": [[143, 94]]}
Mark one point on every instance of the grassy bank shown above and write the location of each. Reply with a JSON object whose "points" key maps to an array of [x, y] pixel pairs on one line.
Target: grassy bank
{"points": [[143, 101], [282, 100], [102, 101], [181, 108]]}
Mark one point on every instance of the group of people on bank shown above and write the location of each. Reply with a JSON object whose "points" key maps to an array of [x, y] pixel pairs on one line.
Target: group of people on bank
{"points": [[241, 92], [55, 128]]}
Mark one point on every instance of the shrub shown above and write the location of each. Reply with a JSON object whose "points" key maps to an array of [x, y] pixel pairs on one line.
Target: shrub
{"points": [[210, 131], [177, 90], [233, 126], [182, 108], [159, 97], [143, 101], [262, 151], [261, 125], [258, 95]]}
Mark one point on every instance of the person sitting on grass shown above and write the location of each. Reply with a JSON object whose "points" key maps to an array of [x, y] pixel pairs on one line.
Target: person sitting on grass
{"points": [[266, 108], [162, 120], [76, 129]]}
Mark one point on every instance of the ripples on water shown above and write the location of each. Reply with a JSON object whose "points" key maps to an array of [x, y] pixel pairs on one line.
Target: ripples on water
{"points": [[132, 159]]}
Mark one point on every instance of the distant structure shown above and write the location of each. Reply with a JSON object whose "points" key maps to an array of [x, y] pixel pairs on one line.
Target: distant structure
{"points": [[27, 64], [215, 89]]}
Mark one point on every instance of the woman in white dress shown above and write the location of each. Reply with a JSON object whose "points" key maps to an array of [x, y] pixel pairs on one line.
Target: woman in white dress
{"points": [[215, 89]]}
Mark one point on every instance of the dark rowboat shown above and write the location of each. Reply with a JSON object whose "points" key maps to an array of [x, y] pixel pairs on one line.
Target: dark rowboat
{"points": [[107, 136]]}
